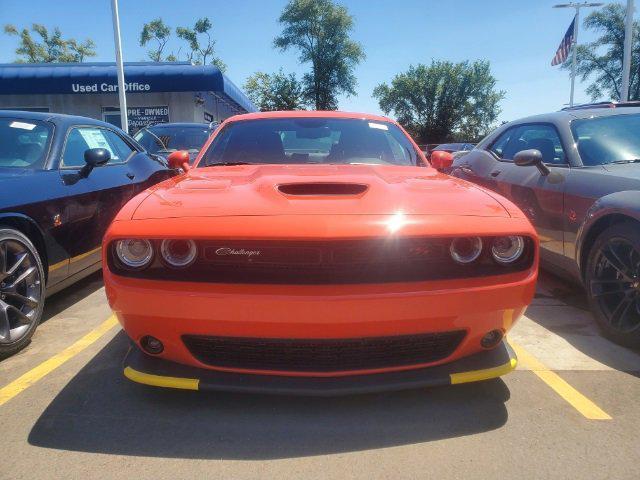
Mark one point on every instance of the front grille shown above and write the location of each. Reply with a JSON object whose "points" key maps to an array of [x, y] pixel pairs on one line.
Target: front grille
{"points": [[325, 262], [322, 355]]}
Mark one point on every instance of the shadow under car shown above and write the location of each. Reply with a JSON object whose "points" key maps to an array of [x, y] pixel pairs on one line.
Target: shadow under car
{"points": [[100, 411]]}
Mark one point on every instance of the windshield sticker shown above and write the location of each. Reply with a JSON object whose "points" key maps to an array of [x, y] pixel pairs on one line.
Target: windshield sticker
{"points": [[379, 126], [96, 139], [22, 125]]}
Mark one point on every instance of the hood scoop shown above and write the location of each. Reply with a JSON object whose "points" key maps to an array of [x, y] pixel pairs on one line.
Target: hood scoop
{"points": [[320, 189]]}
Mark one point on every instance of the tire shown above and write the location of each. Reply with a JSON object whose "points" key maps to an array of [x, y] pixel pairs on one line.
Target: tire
{"points": [[612, 281], [22, 291]]}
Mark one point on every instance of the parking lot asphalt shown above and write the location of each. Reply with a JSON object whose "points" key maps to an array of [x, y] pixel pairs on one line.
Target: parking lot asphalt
{"points": [[570, 410]]}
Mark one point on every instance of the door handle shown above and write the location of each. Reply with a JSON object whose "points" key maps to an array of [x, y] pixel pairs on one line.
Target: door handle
{"points": [[130, 175], [495, 173]]}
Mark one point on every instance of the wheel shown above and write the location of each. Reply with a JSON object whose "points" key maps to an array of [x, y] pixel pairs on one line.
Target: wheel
{"points": [[21, 291], [613, 283]]}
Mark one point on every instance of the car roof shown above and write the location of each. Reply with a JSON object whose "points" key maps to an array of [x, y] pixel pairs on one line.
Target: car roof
{"points": [[453, 144], [59, 118], [179, 124], [308, 114], [571, 114]]}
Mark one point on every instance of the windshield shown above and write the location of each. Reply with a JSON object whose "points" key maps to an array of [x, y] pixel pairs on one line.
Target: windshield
{"points": [[311, 140], [167, 139], [24, 142], [451, 147], [610, 139]]}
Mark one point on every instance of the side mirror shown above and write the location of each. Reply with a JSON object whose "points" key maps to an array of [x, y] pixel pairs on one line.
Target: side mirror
{"points": [[94, 157], [441, 160], [531, 158], [179, 160]]}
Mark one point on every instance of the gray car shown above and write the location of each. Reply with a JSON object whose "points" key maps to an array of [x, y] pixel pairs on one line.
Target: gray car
{"points": [[576, 174]]}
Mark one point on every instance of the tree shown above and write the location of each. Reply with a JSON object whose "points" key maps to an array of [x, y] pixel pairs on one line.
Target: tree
{"points": [[160, 32], [82, 50], [319, 30], [443, 101], [601, 60], [276, 91], [201, 52], [51, 47]]}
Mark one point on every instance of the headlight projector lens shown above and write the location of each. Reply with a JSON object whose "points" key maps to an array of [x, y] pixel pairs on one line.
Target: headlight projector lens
{"points": [[178, 253], [134, 252], [506, 250], [465, 249]]}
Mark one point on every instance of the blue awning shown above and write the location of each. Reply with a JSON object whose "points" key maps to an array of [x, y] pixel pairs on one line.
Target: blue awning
{"points": [[140, 77]]}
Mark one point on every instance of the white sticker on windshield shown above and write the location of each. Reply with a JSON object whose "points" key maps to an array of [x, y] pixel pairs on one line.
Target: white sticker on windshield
{"points": [[22, 125], [379, 126], [95, 138]]}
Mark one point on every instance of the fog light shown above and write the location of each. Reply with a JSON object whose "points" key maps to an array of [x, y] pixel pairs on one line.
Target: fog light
{"points": [[491, 339], [151, 345]]}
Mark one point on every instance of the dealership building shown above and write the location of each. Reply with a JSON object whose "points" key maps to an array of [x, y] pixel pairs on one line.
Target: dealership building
{"points": [[156, 91]]}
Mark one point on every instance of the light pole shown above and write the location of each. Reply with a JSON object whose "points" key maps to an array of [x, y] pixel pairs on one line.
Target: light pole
{"points": [[119, 65], [626, 59], [576, 23]]}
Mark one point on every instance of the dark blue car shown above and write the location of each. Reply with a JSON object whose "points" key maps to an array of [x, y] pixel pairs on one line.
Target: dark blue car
{"points": [[62, 180]]}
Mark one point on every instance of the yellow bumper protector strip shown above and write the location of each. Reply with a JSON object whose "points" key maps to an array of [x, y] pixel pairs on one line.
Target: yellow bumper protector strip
{"points": [[485, 374], [160, 380]]}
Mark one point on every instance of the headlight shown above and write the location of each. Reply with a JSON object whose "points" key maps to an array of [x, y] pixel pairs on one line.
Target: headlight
{"points": [[465, 249], [134, 252], [178, 253], [506, 250]]}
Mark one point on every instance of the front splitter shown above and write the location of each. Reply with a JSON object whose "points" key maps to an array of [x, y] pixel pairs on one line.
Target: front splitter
{"points": [[142, 368]]}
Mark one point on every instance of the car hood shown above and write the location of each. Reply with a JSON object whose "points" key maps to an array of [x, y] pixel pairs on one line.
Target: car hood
{"points": [[315, 190], [626, 170]]}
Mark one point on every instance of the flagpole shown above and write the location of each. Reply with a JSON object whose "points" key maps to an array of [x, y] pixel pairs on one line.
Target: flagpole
{"points": [[576, 22], [120, 66], [573, 54], [626, 59]]}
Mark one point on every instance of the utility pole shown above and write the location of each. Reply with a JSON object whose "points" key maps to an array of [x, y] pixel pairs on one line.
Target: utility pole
{"points": [[577, 7], [119, 65], [626, 59]]}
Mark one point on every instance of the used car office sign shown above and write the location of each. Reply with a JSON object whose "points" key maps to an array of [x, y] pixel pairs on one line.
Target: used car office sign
{"points": [[142, 116], [109, 87]]}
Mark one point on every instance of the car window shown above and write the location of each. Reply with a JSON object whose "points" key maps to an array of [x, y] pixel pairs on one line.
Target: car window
{"points": [[24, 143], [498, 146], [166, 139], [609, 139], [311, 140], [81, 139], [539, 137]]}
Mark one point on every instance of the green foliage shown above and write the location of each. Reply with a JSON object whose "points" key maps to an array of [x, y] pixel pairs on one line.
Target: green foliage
{"points": [[444, 101], [276, 91], [156, 30], [50, 47], [201, 44], [601, 60], [319, 30]]}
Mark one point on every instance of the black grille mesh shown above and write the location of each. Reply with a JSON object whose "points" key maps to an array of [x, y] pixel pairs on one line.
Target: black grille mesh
{"points": [[322, 355]]}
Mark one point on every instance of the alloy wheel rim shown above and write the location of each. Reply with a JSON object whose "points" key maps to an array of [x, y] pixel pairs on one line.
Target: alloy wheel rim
{"points": [[20, 290], [615, 284]]}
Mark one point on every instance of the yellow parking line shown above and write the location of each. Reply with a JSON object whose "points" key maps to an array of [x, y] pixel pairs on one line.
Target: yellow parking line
{"points": [[577, 400], [32, 376]]}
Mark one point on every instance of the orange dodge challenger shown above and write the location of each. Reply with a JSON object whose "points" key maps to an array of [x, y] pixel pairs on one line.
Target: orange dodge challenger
{"points": [[317, 253]]}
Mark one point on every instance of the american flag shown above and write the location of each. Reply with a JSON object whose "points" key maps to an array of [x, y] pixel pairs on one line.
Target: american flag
{"points": [[565, 45]]}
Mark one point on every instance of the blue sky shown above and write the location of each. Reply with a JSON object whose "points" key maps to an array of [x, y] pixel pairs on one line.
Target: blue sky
{"points": [[518, 37]]}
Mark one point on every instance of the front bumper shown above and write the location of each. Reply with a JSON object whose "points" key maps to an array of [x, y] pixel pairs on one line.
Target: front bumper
{"points": [[142, 368]]}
